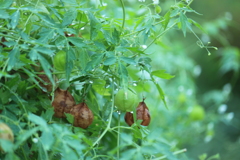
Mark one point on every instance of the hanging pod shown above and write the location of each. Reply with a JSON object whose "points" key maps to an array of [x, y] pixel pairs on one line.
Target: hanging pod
{"points": [[62, 103], [83, 116], [142, 114]]}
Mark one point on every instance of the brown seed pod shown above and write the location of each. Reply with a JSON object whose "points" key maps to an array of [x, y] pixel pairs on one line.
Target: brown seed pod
{"points": [[142, 114], [83, 116], [63, 102]]}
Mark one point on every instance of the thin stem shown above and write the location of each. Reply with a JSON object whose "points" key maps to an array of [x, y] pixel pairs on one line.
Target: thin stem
{"points": [[113, 128], [124, 16], [118, 136], [161, 34], [175, 153], [108, 125]]}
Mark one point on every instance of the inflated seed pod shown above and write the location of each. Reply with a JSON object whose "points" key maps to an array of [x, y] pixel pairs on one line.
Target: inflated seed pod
{"points": [[83, 116], [5, 133], [62, 103], [142, 114]]}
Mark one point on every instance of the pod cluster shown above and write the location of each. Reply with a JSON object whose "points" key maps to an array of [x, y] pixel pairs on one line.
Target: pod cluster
{"points": [[64, 103], [142, 113]]}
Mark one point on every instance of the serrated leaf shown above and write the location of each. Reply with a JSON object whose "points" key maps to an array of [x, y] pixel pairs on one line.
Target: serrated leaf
{"points": [[96, 60], [123, 74], [15, 19], [145, 63], [183, 21], [83, 57], [69, 62], [109, 61], [69, 16], [47, 19], [60, 41], [13, 58], [45, 35], [33, 54], [162, 74], [94, 25], [128, 60], [46, 67], [116, 36], [77, 41], [37, 120], [45, 50]]}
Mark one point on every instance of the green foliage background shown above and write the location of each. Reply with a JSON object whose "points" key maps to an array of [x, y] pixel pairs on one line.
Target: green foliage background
{"points": [[162, 55]]}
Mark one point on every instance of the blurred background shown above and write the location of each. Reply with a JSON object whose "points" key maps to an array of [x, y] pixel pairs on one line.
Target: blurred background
{"points": [[208, 81], [204, 95]]}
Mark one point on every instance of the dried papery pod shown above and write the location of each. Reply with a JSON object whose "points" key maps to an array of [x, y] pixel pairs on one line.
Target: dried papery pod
{"points": [[83, 116], [142, 114], [5, 133], [129, 118], [62, 103], [46, 82]]}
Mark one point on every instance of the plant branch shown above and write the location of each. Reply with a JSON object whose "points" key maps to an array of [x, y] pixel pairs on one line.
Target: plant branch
{"points": [[124, 16], [175, 153], [161, 35]]}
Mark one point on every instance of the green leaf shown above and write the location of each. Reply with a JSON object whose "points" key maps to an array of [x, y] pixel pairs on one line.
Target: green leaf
{"points": [[123, 74], [83, 57], [4, 14], [6, 144], [69, 62], [110, 61], [33, 54], [197, 25], [162, 94], [184, 21], [60, 41], [70, 117], [71, 2], [162, 74], [13, 58], [38, 120], [145, 62], [217, 156], [128, 60], [95, 26], [45, 51], [47, 139], [46, 67], [166, 19], [47, 19], [96, 60], [5, 4], [15, 18], [116, 36], [69, 16], [77, 41], [46, 34]]}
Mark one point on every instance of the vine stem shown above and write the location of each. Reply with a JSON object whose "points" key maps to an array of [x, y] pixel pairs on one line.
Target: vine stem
{"points": [[124, 16], [118, 136], [160, 35], [108, 125], [175, 153]]}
